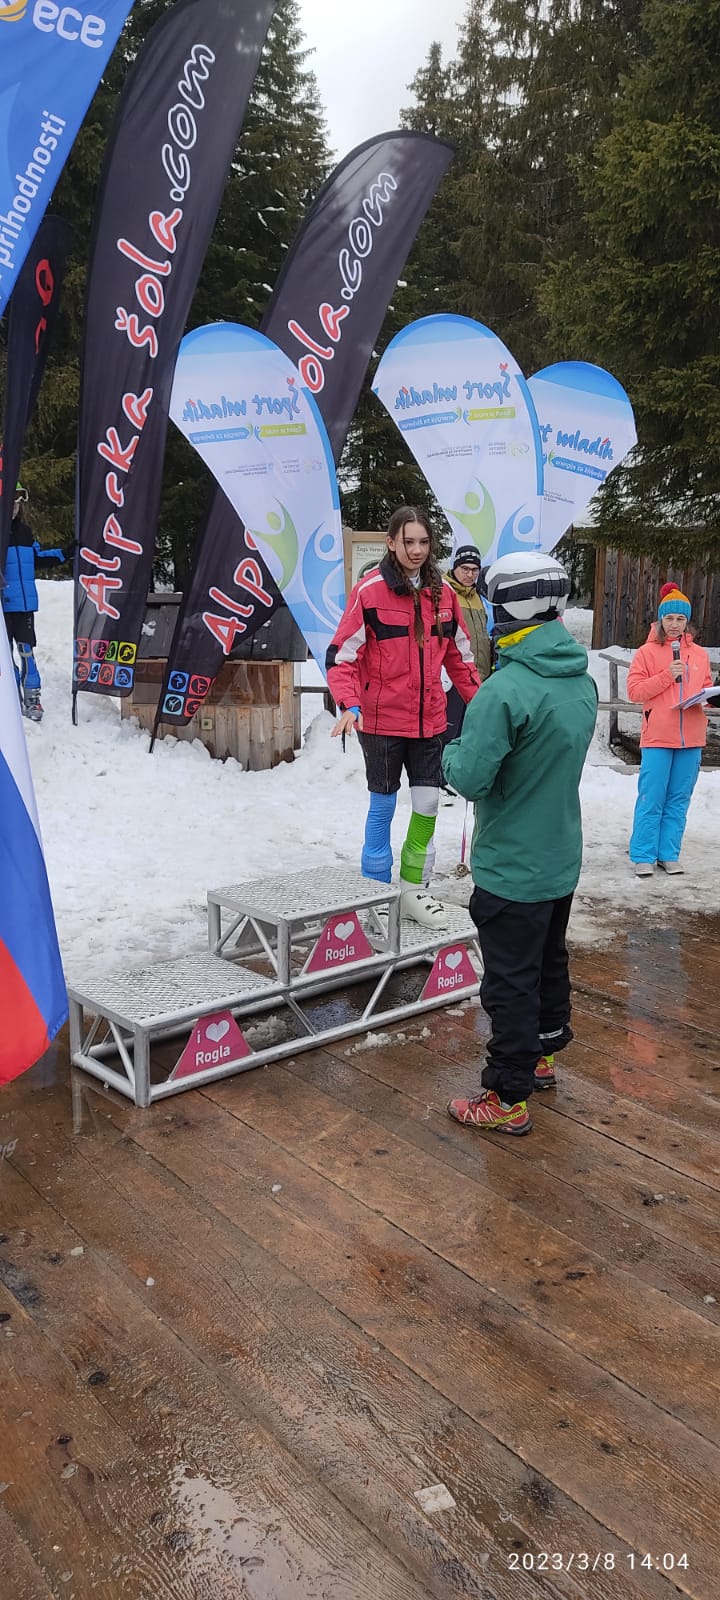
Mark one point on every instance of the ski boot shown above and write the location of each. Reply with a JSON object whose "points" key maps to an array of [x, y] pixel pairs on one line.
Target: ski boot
{"points": [[32, 707]]}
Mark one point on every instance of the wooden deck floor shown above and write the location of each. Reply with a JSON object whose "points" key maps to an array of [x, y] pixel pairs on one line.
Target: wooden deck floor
{"points": [[240, 1331]]}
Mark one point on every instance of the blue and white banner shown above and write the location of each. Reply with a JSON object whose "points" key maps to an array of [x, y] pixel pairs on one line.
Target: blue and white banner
{"points": [[464, 409], [587, 428], [52, 56], [242, 404]]}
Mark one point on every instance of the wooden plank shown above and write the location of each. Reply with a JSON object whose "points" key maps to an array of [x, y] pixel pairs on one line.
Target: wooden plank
{"points": [[601, 1463], [598, 638], [250, 711], [631, 600], [694, 1047], [684, 1151], [610, 608], [673, 1245], [670, 1075], [282, 734], [261, 743], [711, 619], [697, 594], [76, 1486], [227, 741], [674, 1064], [418, 1323], [679, 1150], [22, 1577], [273, 1526], [637, 957], [404, 1190], [648, 1089], [246, 683], [647, 596], [689, 1155], [639, 968], [626, 588], [609, 603], [683, 1008], [325, 1390], [623, 1179]]}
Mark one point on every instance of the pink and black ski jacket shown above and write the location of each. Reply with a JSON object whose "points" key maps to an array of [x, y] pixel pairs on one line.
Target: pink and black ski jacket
{"points": [[375, 662]]}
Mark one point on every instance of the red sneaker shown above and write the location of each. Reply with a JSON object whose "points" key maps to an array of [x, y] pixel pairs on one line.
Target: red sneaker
{"points": [[485, 1111], [545, 1073]]}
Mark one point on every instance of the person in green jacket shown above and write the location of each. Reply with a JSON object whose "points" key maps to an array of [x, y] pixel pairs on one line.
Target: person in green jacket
{"points": [[463, 578], [520, 758]]}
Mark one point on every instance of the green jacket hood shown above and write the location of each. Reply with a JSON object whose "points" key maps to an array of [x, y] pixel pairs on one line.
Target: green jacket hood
{"points": [[549, 650]]}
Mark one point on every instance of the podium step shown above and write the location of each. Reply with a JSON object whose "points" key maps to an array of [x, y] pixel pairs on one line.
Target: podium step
{"points": [[319, 933], [304, 896], [188, 986]]}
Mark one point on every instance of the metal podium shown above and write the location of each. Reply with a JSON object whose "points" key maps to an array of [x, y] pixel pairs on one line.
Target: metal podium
{"points": [[277, 947]]}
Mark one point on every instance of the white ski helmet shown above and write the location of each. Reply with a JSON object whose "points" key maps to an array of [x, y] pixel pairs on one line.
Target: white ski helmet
{"points": [[527, 585]]}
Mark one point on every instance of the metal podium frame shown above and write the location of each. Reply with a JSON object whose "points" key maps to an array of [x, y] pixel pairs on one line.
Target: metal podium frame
{"points": [[113, 1028]]}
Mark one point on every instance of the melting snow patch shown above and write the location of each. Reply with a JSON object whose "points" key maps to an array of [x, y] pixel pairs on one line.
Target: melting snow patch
{"points": [[435, 1498]]}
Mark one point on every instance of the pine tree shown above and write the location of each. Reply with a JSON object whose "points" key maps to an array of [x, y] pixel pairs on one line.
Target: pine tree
{"points": [[546, 76], [530, 91], [645, 302], [432, 270]]}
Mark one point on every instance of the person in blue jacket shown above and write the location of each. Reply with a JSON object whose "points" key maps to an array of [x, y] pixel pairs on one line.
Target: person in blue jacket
{"points": [[20, 602]]}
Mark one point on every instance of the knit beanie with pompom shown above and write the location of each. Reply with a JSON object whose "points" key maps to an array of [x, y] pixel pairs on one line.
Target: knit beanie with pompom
{"points": [[673, 602]]}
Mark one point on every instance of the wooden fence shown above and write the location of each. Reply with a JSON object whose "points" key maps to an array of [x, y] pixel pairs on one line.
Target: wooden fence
{"points": [[626, 598]]}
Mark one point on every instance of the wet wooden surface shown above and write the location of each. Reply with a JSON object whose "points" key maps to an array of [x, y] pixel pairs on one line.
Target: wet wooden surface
{"points": [[240, 1331]]}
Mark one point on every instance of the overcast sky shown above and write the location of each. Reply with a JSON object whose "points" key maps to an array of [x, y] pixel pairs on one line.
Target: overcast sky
{"points": [[365, 54]]}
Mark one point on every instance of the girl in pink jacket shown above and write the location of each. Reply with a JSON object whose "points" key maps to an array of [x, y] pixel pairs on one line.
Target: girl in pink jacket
{"points": [[665, 673], [401, 626]]}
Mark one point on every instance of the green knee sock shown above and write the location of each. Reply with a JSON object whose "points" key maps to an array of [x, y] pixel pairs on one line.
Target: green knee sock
{"points": [[416, 856]]}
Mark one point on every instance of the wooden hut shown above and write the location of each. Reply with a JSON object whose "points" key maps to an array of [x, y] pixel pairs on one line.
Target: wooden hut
{"points": [[252, 712]]}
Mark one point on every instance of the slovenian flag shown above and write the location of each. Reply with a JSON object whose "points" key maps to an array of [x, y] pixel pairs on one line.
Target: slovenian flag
{"points": [[33, 999]]}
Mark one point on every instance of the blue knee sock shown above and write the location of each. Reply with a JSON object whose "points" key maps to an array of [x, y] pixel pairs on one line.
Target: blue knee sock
{"points": [[29, 675], [377, 859]]}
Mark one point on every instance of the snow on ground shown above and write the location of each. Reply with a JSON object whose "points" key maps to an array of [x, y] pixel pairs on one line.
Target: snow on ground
{"points": [[134, 841]]}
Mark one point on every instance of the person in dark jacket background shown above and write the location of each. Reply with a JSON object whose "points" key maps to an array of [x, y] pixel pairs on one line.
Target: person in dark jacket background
{"points": [[20, 602], [463, 578]]}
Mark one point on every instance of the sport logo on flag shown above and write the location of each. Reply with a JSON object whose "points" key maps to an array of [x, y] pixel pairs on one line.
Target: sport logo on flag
{"points": [[12, 10]]}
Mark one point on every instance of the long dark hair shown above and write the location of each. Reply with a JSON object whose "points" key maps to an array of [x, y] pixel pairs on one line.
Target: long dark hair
{"points": [[430, 574]]}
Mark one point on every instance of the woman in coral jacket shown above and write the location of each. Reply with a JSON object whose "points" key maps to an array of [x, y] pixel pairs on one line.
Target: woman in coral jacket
{"points": [[666, 672], [401, 626]]}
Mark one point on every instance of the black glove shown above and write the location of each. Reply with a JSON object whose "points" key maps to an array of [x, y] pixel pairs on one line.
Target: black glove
{"points": [[69, 551]]}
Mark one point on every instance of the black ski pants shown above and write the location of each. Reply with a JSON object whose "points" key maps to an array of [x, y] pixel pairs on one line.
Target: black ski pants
{"points": [[525, 988]]}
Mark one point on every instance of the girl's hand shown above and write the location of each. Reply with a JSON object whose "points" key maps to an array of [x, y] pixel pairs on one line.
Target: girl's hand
{"points": [[677, 670], [346, 723]]}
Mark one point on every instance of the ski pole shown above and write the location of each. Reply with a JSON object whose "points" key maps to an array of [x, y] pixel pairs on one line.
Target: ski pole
{"points": [[464, 835]]}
